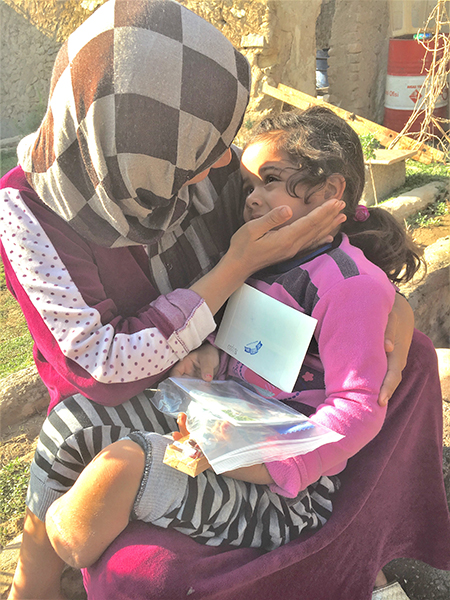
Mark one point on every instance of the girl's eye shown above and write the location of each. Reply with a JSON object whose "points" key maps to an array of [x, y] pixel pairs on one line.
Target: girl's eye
{"points": [[270, 179], [248, 191]]}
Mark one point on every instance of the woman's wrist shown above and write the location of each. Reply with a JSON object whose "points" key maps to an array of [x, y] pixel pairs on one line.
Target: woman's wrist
{"points": [[223, 280]]}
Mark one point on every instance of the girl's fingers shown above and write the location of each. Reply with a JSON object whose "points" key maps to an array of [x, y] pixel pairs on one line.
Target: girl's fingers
{"points": [[182, 424]]}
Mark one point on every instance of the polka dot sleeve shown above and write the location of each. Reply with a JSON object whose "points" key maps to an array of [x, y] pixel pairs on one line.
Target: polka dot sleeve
{"points": [[114, 352]]}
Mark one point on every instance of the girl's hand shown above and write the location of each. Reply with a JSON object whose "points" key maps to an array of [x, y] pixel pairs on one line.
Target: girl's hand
{"points": [[397, 340], [182, 427], [202, 363]]}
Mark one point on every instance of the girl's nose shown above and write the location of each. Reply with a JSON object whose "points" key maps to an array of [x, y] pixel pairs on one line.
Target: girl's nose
{"points": [[253, 198]]}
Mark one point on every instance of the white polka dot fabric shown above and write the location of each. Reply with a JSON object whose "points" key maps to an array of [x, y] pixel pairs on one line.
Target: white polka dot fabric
{"points": [[107, 356]]}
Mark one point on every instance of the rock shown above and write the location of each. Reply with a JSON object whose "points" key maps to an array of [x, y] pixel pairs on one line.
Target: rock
{"points": [[71, 581], [444, 373], [411, 202], [430, 297], [22, 394]]}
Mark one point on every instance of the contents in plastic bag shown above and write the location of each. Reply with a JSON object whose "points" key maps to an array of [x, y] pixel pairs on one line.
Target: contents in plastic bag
{"points": [[236, 427], [186, 455]]}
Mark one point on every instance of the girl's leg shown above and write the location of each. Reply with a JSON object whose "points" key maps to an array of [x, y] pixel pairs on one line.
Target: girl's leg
{"points": [[39, 568], [82, 523], [73, 433], [212, 509]]}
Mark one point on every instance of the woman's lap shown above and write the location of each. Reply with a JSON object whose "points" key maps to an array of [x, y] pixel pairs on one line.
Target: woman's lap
{"points": [[215, 510], [391, 504]]}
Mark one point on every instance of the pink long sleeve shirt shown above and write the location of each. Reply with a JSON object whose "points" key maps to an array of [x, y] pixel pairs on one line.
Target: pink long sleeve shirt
{"points": [[351, 298]]}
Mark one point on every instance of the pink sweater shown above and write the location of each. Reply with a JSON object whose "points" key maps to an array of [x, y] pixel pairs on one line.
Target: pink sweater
{"points": [[351, 299]]}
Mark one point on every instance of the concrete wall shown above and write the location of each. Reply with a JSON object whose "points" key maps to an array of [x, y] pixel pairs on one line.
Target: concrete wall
{"points": [[26, 61], [358, 57], [279, 38]]}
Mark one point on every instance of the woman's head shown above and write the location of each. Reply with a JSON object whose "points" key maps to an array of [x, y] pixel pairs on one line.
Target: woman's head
{"points": [[144, 96]]}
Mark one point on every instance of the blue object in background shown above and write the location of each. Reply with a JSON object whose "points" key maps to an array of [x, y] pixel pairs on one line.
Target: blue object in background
{"points": [[322, 68]]}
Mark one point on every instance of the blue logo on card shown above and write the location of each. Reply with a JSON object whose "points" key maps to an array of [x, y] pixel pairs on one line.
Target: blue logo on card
{"points": [[253, 347]]}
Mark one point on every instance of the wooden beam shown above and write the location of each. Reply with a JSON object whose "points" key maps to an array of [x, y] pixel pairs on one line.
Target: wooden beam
{"points": [[424, 153]]}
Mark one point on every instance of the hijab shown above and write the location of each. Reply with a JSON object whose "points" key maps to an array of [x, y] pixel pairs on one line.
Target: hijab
{"points": [[144, 95]]}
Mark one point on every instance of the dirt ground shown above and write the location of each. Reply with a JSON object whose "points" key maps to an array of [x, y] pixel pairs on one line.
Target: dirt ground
{"points": [[19, 441], [428, 235]]}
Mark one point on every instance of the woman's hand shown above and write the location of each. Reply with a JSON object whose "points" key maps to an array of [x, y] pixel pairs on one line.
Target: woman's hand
{"points": [[202, 363], [397, 340], [260, 243]]}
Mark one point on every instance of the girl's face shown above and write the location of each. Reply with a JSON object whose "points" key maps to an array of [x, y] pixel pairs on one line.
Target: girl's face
{"points": [[265, 171]]}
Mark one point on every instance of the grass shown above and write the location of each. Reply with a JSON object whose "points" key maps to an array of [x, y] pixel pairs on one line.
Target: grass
{"points": [[8, 160], [16, 344], [419, 174], [430, 216], [14, 478]]}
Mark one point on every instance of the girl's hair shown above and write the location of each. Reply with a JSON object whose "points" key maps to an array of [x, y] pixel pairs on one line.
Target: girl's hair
{"points": [[319, 143]]}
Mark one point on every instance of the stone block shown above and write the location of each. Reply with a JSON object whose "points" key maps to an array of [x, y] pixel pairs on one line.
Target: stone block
{"points": [[252, 40], [22, 394], [415, 200], [384, 174], [354, 48]]}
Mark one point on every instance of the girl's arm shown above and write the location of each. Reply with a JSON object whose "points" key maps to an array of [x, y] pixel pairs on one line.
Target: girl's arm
{"points": [[352, 319]]}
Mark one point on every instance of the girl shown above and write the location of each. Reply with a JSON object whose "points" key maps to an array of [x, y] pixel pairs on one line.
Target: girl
{"points": [[298, 160]]}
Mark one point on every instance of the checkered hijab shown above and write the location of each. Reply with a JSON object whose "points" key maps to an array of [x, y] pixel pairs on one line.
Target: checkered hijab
{"points": [[144, 95]]}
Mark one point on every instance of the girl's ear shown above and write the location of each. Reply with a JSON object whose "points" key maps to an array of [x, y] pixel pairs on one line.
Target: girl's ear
{"points": [[334, 186]]}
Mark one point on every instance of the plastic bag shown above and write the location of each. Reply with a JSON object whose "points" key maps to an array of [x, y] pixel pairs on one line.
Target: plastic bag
{"points": [[235, 427]]}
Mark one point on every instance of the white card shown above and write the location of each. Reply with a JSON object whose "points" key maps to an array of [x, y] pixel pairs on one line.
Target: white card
{"points": [[266, 335]]}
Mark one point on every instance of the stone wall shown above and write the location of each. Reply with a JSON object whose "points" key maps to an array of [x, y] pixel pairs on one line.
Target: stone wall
{"points": [[26, 61], [277, 36], [358, 57]]}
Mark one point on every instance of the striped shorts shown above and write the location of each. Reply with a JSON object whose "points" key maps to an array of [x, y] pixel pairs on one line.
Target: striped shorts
{"points": [[214, 510]]}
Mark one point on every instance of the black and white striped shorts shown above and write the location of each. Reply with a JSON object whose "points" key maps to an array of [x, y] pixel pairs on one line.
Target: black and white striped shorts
{"points": [[216, 510]]}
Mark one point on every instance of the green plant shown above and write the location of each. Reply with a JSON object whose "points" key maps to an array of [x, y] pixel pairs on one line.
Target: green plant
{"points": [[419, 174], [369, 144], [16, 344], [8, 160], [14, 478], [430, 216]]}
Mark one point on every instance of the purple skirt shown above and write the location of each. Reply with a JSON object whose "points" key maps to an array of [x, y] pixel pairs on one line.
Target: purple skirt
{"points": [[391, 504]]}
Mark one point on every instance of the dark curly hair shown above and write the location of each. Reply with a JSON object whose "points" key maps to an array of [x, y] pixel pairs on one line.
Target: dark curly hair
{"points": [[319, 143]]}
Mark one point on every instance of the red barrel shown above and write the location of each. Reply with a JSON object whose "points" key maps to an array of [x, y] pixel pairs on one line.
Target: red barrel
{"points": [[408, 64]]}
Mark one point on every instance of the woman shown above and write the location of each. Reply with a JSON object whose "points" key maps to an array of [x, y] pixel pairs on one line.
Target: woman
{"points": [[145, 97]]}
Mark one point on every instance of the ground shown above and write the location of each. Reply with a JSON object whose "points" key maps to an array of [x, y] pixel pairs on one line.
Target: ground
{"points": [[19, 441]]}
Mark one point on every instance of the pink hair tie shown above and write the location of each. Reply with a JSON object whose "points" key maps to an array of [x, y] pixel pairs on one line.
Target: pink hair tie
{"points": [[361, 213]]}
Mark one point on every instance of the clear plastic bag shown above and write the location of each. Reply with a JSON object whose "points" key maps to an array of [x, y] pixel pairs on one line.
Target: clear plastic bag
{"points": [[235, 427]]}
